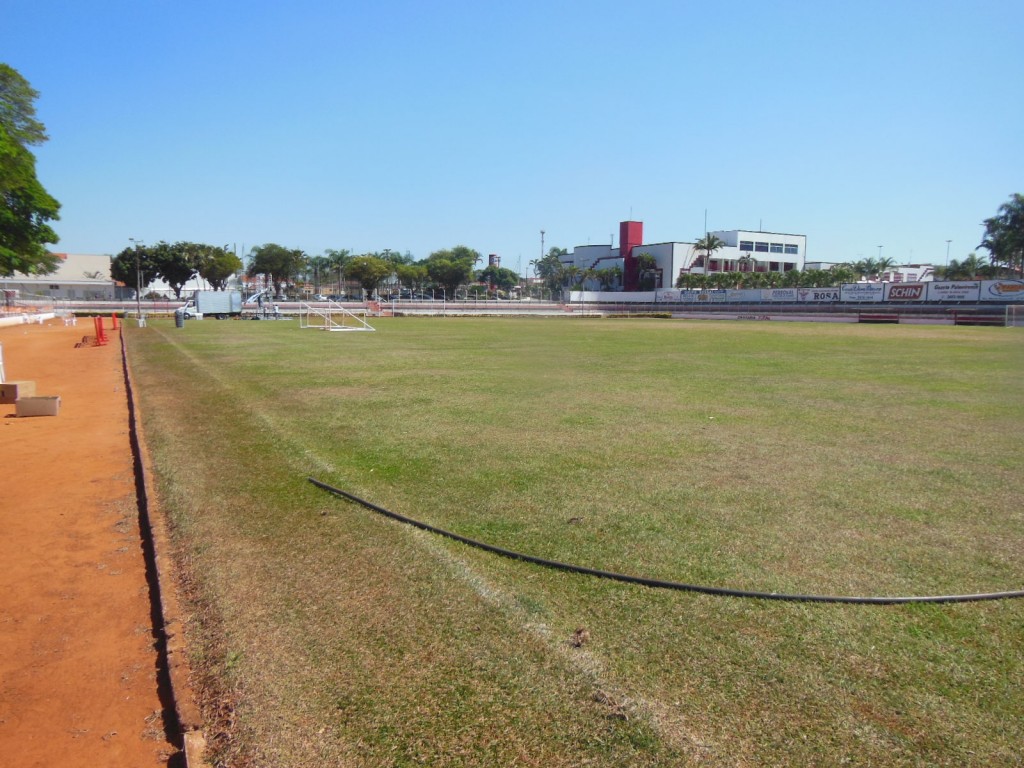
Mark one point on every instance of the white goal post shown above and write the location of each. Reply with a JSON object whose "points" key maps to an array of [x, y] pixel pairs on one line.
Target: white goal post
{"points": [[1015, 315], [333, 317]]}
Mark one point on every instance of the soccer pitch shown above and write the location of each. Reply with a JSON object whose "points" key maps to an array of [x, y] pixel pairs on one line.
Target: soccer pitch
{"points": [[796, 458]]}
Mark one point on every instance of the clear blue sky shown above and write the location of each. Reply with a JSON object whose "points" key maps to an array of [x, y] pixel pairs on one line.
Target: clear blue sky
{"points": [[417, 126]]}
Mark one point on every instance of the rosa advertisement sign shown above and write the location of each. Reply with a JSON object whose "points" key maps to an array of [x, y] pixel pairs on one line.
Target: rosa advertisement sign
{"points": [[819, 294]]}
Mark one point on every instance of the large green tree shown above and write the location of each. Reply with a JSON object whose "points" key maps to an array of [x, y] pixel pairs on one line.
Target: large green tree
{"points": [[123, 267], [452, 267], [369, 271], [277, 263], [26, 208], [175, 263], [501, 278], [1004, 235], [217, 264], [411, 275]]}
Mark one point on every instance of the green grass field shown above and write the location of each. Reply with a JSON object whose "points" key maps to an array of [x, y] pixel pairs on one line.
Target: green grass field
{"points": [[807, 458]]}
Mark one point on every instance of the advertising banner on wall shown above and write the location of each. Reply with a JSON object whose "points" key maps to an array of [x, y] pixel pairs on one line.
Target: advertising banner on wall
{"points": [[707, 295], [779, 294], [862, 292], [745, 294], [954, 291], [1002, 290], [667, 295], [906, 291], [818, 294]]}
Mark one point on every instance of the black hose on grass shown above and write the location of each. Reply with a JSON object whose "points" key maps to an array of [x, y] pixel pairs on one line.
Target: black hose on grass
{"points": [[658, 583]]}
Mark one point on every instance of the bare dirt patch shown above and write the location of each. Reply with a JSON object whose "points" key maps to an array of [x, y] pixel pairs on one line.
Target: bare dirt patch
{"points": [[78, 662]]}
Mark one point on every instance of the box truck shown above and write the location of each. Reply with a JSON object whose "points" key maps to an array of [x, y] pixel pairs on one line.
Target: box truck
{"points": [[219, 304]]}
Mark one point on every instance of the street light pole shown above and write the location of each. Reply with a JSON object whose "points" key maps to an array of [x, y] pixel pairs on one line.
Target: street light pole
{"points": [[138, 282], [947, 252]]}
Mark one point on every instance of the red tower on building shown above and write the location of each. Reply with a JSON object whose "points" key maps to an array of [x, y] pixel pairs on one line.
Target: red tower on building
{"points": [[631, 234]]}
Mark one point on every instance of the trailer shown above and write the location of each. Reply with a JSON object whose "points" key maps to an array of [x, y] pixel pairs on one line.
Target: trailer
{"points": [[219, 304]]}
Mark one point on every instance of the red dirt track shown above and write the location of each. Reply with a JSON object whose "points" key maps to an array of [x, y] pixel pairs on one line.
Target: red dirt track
{"points": [[78, 664]]}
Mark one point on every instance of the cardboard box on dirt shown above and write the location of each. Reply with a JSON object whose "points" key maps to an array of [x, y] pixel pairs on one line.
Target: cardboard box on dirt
{"points": [[37, 406], [12, 390]]}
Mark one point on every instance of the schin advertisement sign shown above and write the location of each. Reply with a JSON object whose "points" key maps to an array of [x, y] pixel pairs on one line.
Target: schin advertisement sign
{"points": [[906, 291]]}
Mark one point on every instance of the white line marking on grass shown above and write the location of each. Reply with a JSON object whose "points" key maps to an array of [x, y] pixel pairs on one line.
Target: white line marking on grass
{"points": [[663, 718], [668, 723], [298, 448]]}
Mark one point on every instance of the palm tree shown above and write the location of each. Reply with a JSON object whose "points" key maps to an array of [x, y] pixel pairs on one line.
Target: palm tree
{"points": [[842, 273], [339, 260], [709, 244], [570, 276], [972, 266], [646, 267], [884, 265], [1004, 236], [609, 277], [319, 265], [588, 274], [866, 268]]}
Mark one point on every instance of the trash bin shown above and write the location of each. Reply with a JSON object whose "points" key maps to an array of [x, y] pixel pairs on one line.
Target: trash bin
{"points": [[179, 319]]}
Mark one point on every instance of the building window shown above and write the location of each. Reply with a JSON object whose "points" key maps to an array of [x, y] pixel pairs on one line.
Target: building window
{"points": [[792, 250], [775, 248], [746, 245], [773, 266], [761, 247], [788, 266]]}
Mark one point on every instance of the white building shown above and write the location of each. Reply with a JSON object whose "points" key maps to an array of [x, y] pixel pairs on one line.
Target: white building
{"points": [[81, 276], [744, 251]]}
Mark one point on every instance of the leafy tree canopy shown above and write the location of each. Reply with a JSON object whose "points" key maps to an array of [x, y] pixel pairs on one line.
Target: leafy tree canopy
{"points": [[217, 264], [26, 208], [369, 271], [500, 277], [17, 108], [411, 275], [277, 263], [123, 267], [452, 267]]}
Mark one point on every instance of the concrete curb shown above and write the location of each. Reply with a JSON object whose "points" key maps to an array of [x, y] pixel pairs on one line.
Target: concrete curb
{"points": [[154, 526]]}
